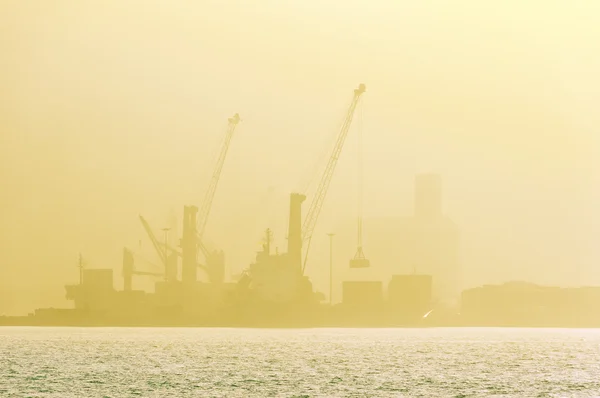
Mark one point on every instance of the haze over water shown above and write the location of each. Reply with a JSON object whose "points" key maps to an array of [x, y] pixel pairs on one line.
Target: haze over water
{"points": [[113, 109], [121, 362]]}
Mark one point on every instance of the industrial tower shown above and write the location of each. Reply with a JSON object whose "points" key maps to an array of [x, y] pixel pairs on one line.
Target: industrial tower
{"points": [[189, 245]]}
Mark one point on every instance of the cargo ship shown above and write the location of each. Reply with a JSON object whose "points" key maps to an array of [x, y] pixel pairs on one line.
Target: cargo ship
{"points": [[272, 292]]}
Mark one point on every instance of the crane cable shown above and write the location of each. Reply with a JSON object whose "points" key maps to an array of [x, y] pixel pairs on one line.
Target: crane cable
{"points": [[359, 174]]}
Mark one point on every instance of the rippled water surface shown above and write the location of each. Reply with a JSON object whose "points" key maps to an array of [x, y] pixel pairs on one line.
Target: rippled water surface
{"points": [[121, 362]]}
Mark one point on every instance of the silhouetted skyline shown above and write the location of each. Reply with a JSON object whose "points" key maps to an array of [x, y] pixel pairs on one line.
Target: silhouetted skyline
{"points": [[126, 119]]}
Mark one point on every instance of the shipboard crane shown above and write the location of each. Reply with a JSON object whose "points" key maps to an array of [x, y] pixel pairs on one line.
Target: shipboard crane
{"points": [[214, 260], [209, 196], [314, 210], [168, 255], [129, 270]]}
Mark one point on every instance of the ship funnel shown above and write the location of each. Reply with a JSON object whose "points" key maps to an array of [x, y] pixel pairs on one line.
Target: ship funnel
{"points": [[295, 230]]}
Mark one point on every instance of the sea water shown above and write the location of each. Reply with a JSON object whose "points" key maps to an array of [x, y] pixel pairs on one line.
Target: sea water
{"points": [[207, 362]]}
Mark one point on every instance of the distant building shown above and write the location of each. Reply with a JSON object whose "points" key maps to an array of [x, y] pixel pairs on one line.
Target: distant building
{"points": [[435, 239], [426, 243], [527, 304]]}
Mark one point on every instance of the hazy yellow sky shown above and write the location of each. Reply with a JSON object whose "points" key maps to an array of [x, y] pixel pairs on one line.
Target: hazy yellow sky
{"points": [[115, 108]]}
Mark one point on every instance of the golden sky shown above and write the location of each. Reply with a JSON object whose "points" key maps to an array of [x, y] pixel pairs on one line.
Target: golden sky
{"points": [[115, 108]]}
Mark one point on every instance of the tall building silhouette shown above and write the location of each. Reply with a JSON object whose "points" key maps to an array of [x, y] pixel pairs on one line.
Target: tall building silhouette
{"points": [[425, 242], [433, 238]]}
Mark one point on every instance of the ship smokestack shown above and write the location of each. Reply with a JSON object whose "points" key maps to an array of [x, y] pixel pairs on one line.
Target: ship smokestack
{"points": [[295, 231], [189, 245], [127, 269]]}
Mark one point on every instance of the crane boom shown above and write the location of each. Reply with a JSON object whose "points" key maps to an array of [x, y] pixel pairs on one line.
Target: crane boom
{"points": [[203, 248], [317, 203], [155, 243], [159, 247], [214, 181]]}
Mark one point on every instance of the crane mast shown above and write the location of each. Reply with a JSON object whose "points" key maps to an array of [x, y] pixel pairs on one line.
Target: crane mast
{"points": [[317, 203], [214, 181]]}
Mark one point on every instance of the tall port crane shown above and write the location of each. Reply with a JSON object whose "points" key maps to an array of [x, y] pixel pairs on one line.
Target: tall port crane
{"points": [[209, 196], [317, 203], [214, 260]]}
